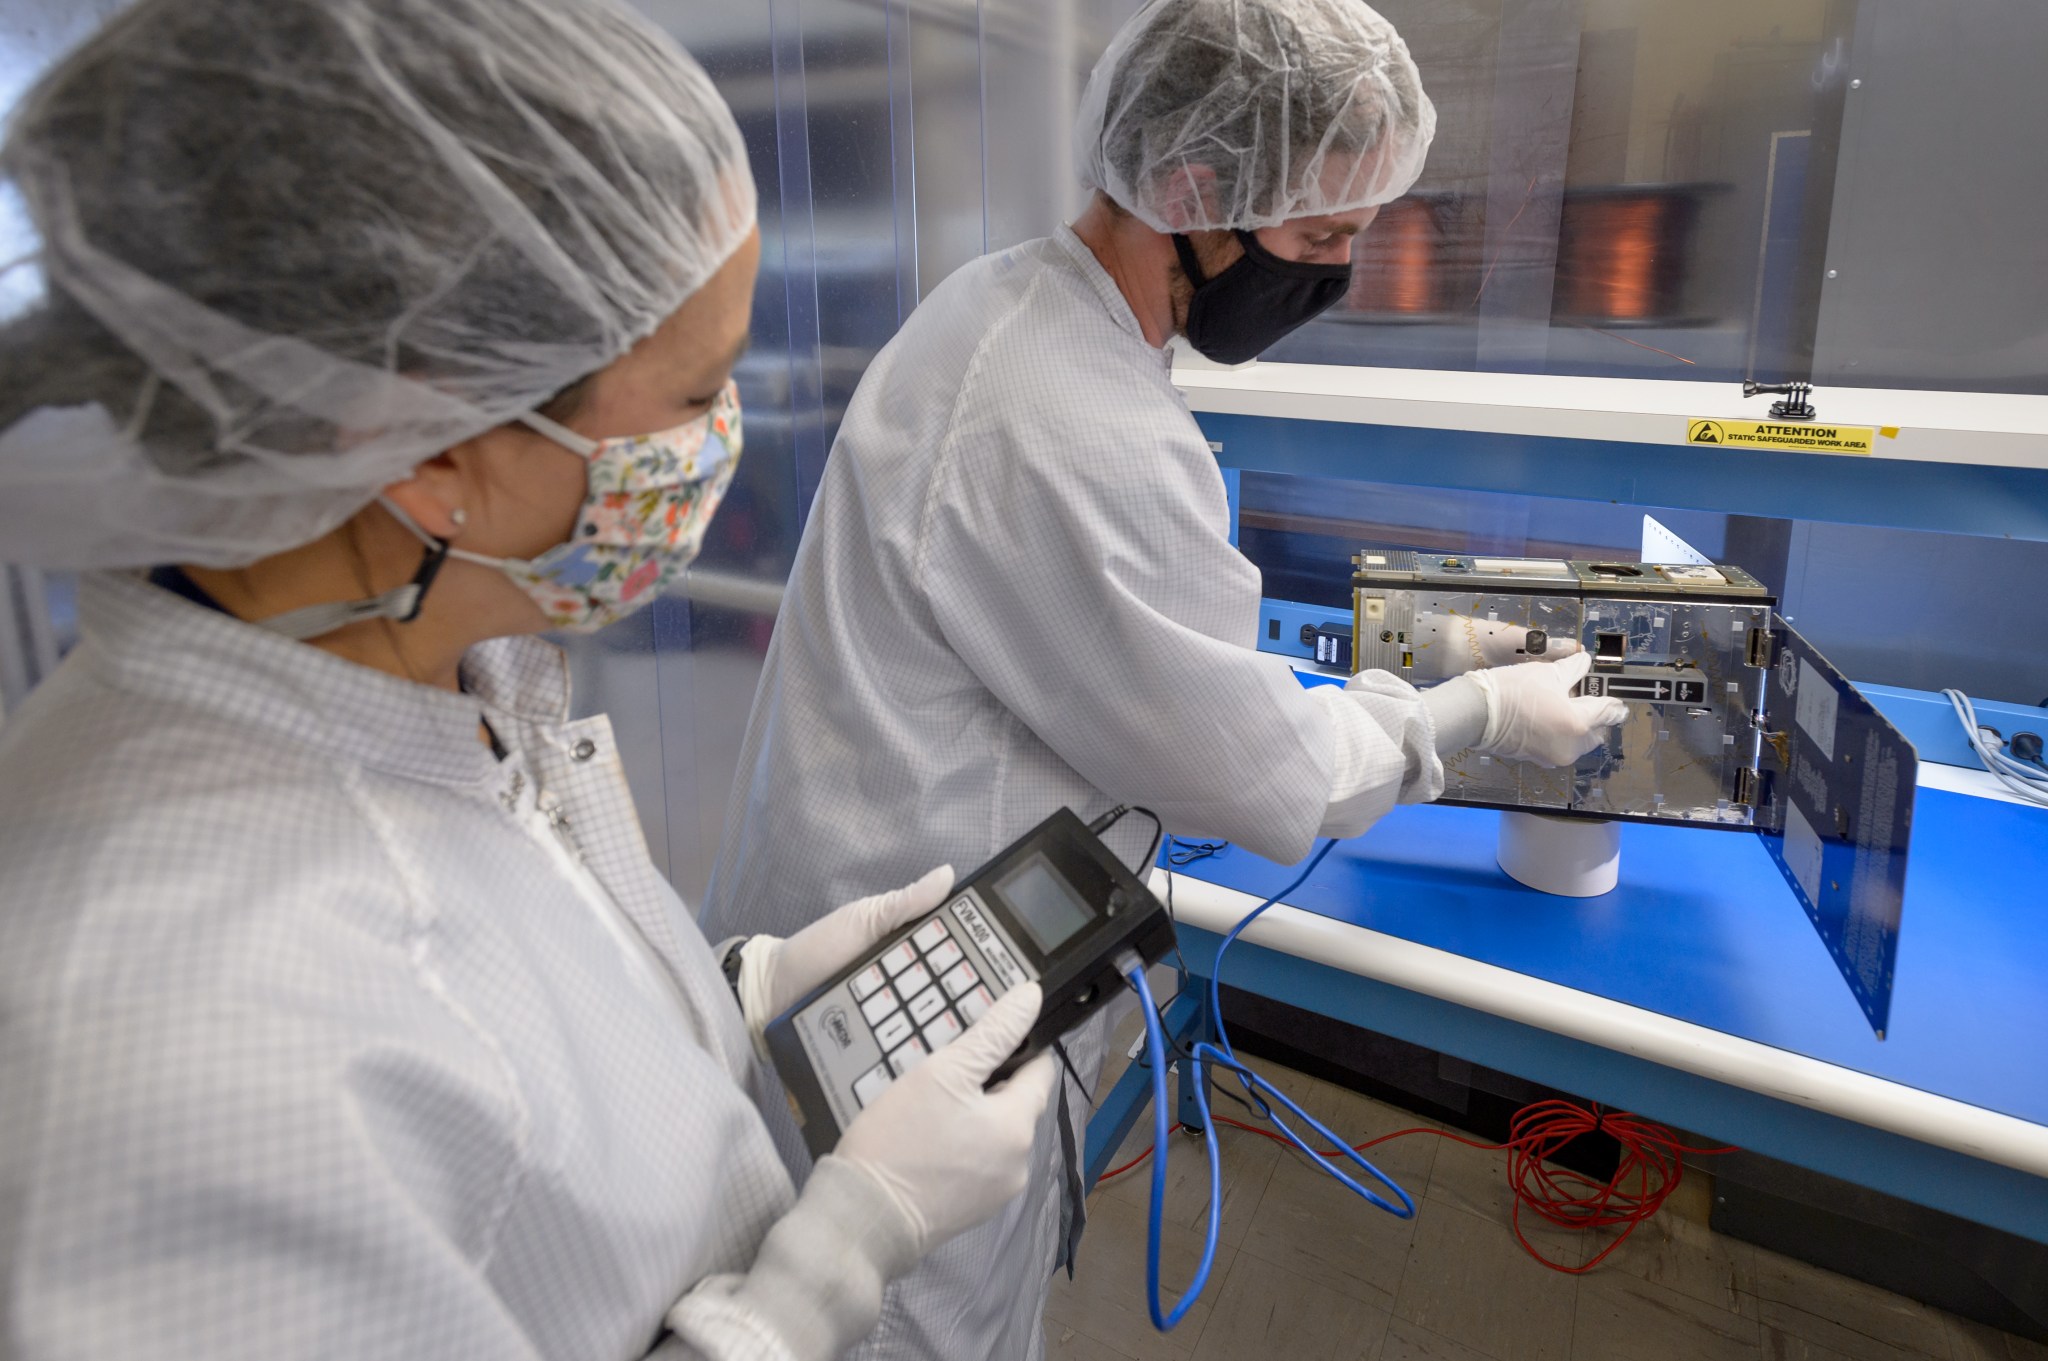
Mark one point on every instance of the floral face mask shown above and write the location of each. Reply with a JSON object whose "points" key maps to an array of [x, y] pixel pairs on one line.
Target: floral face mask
{"points": [[642, 522]]}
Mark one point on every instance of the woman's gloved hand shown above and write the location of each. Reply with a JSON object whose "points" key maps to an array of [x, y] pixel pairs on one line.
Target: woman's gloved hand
{"points": [[931, 1155], [775, 973], [948, 1153], [1531, 714]]}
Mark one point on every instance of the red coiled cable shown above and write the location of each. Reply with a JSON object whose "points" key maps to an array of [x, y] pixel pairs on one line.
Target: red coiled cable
{"points": [[1652, 1166]]}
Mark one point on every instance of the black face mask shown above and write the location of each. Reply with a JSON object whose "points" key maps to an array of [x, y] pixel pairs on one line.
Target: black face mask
{"points": [[1236, 315]]}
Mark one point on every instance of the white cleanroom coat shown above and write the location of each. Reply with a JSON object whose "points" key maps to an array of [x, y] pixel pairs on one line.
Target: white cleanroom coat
{"points": [[324, 1032], [1016, 591]]}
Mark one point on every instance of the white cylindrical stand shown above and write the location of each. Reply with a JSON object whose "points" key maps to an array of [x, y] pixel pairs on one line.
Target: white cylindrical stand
{"points": [[1571, 857]]}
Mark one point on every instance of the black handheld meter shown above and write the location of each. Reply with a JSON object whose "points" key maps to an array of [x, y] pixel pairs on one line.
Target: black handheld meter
{"points": [[1055, 906]]}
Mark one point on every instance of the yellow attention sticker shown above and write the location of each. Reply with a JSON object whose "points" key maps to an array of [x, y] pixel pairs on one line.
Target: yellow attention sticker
{"points": [[1808, 437]]}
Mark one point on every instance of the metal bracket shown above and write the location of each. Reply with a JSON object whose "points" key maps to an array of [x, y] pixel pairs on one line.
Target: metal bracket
{"points": [[1795, 407]]}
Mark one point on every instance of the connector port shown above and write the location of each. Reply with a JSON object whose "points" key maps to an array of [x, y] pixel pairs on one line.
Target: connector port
{"points": [[1759, 645]]}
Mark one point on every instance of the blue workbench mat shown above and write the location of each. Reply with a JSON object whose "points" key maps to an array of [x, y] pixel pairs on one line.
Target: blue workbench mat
{"points": [[1703, 928]]}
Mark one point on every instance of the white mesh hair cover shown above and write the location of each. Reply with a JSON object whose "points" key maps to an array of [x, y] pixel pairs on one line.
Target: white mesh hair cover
{"points": [[1280, 108], [291, 249]]}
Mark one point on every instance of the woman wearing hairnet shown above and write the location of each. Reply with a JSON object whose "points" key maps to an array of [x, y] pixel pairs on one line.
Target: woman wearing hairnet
{"points": [[344, 1013], [1016, 588]]}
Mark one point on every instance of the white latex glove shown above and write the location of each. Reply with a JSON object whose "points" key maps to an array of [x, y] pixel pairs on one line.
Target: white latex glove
{"points": [[775, 973], [1473, 643], [949, 1154], [1531, 714]]}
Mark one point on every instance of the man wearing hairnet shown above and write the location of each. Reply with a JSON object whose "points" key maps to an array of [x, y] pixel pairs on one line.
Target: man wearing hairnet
{"points": [[342, 1011], [1016, 589]]}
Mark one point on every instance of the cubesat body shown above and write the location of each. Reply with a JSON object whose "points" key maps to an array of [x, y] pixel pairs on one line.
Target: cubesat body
{"points": [[1685, 646], [1734, 720]]}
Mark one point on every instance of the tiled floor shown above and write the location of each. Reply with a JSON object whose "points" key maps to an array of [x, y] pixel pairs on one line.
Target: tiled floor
{"points": [[1308, 1272]]}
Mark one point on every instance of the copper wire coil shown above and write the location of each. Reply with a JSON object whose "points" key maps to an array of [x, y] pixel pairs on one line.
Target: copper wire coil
{"points": [[1619, 256], [1396, 269]]}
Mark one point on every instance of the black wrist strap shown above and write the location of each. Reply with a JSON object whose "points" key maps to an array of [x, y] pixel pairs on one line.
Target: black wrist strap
{"points": [[729, 965]]}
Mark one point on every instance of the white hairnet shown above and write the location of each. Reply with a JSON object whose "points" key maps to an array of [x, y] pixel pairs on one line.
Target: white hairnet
{"points": [[294, 248], [1295, 108]]}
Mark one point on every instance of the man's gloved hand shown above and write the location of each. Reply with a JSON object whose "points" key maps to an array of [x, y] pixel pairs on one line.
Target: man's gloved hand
{"points": [[1531, 714], [949, 1154], [775, 973]]}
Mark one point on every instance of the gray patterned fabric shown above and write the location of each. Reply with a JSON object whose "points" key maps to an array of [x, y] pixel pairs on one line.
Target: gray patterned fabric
{"points": [[1016, 591], [325, 1033]]}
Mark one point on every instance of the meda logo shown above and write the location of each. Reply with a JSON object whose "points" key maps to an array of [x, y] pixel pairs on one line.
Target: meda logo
{"points": [[835, 1025]]}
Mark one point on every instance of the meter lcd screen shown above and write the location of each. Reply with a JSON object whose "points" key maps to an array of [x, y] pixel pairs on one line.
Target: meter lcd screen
{"points": [[1045, 903]]}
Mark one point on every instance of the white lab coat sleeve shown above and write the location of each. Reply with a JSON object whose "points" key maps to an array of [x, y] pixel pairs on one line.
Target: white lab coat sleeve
{"points": [[1075, 552], [1386, 750], [816, 1286]]}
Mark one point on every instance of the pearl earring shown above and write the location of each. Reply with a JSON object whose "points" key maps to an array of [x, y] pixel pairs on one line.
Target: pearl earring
{"points": [[459, 516]]}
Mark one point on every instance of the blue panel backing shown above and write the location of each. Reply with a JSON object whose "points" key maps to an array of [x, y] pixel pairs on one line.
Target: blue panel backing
{"points": [[1958, 498], [1841, 780]]}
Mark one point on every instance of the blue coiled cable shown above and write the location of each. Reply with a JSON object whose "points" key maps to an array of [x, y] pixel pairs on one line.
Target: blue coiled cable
{"points": [[1155, 1043], [1220, 1054]]}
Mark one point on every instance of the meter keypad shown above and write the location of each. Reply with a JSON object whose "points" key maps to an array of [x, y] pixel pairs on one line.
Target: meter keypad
{"points": [[943, 1031], [878, 1006], [1055, 907], [869, 1085], [913, 981], [919, 995], [974, 1004], [961, 979], [866, 981], [893, 1031], [926, 1005]]}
